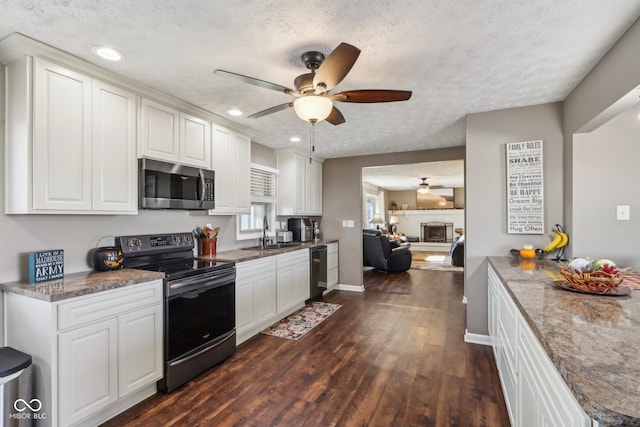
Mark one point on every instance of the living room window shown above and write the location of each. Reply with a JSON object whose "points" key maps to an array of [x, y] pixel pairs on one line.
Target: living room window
{"points": [[373, 207]]}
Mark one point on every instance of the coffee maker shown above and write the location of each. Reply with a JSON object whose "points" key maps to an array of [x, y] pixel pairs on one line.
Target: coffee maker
{"points": [[301, 228]]}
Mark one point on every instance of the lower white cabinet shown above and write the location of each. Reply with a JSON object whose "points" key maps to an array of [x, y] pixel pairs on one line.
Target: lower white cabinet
{"points": [[255, 296], [534, 391], [269, 289], [292, 280], [95, 355], [332, 265]]}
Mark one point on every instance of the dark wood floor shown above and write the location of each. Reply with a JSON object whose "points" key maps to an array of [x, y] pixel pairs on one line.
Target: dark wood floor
{"points": [[391, 356]]}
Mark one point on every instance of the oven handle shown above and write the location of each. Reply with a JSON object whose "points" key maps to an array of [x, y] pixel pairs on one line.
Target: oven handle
{"points": [[204, 350], [213, 281]]}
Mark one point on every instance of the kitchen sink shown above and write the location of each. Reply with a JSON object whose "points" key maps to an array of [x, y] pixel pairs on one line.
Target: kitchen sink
{"points": [[273, 246]]}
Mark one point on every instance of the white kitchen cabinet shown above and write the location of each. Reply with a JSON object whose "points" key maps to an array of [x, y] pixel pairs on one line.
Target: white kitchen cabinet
{"points": [[195, 141], [88, 370], [66, 165], [332, 265], [113, 137], [313, 195], [292, 280], [174, 136], [299, 184], [231, 161], [534, 391], [255, 296], [96, 354], [159, 132]]}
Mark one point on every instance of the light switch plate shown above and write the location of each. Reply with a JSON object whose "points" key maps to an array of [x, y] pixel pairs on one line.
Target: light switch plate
{"points": [[623, 213]]}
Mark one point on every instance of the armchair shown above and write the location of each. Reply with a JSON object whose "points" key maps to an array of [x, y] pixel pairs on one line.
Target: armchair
{"points": [[378, 253]]}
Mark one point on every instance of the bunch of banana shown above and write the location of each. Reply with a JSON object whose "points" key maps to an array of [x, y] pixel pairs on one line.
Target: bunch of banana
{"points": [[560, 239]]}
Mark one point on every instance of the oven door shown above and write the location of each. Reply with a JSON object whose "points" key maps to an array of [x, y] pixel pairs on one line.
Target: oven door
{"points": [[199, 310]]}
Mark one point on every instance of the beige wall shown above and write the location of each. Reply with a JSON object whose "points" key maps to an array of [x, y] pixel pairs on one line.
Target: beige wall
{"points": [[342, 200], [263, 155], [400, 197], [485, 189]]}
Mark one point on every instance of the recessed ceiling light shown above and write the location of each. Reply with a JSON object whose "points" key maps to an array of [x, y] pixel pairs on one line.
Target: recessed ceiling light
{"points": [[234, 112], [295, 139], [108, 53]]}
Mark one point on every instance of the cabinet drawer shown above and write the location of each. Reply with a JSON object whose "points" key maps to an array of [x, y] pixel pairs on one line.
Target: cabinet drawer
{"points": [[292, 258], [107, 304]]}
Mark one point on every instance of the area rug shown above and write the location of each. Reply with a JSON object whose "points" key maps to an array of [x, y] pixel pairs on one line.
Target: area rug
{"points": [[430, 261], [297, 324]]}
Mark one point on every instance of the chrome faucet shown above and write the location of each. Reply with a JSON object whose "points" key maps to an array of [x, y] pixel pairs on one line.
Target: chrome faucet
{"points": [[265, 227]]}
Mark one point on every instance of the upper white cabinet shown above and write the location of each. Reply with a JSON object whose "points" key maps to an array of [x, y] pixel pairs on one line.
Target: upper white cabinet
{"points": [[113, 136], [80, 157], [159, 131], [231, 161], [299, 184], [173, 136]]}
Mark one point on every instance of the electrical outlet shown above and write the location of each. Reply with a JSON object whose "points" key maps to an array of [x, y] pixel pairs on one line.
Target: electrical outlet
{"points": [[623, 213]]}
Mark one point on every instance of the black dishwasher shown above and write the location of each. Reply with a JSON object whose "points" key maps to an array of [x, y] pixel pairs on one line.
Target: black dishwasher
{"points": [[318, 272]]}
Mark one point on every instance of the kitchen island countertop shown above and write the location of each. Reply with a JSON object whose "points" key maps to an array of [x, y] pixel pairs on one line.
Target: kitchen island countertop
{"points": [[83, 283], [592, 340]]}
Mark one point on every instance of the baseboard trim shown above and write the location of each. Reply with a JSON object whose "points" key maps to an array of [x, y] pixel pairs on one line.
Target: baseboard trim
{"points": [[476, 338], [350, 288]]}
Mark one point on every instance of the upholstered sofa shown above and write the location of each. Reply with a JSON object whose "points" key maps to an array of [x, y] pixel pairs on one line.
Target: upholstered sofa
{"points": [[380, 254]]}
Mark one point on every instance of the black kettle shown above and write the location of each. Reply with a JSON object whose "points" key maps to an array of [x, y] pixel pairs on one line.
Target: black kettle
{"points": [[106, 258]]}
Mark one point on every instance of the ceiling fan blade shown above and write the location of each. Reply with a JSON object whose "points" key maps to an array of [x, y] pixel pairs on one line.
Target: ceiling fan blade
{"points": [[371, 95], [335, 117], [256, 82], [336, 66], [271, 110]]}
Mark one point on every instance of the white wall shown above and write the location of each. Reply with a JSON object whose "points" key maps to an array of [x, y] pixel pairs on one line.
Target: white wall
{"points": [[606, 174], [485, 189]]}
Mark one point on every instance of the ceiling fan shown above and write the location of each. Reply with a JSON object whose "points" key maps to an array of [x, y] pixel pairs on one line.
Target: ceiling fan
{"points": [[424, 186], [313, 101]]}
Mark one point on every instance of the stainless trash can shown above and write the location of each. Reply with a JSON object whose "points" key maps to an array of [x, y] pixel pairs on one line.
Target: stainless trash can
{"points": [[16, 407]]}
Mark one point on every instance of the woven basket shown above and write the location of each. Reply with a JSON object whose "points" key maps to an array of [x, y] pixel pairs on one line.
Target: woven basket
{"points": [[595, 281]]}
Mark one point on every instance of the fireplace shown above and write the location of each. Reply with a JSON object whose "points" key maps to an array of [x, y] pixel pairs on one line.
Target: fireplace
{"points": [[436, 232]]}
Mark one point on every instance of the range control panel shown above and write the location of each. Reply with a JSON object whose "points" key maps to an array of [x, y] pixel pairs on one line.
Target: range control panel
{"points": [[148, 244]]}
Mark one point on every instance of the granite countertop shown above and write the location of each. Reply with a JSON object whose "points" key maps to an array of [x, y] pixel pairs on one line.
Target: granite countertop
{"points": [[592, 340], [78, 284], [240, 255]]}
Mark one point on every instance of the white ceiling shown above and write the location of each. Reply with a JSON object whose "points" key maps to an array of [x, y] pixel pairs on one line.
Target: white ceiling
{"points": [[457, 57], [407, 177]]}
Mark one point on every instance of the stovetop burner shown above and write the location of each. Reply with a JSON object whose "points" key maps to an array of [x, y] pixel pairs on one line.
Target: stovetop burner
{"points": [[170, 253]]}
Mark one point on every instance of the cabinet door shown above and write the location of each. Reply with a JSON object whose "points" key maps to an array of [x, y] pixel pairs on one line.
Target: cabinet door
{"points": [[88, 370], [300, 183], [292, 280], [114, 164], [332, 265], [255, 294], [61, 138], [313, 191], [242, 174], [139, 349], [221, 163], [160, 132], [195, 141]]}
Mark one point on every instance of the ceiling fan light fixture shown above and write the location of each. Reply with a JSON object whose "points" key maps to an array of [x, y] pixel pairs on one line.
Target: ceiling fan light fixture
{"points": [[423, 187], [313, 108]]}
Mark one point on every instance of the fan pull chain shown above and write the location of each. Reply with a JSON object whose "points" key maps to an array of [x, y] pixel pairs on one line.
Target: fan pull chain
{"points": [[312, 143]]}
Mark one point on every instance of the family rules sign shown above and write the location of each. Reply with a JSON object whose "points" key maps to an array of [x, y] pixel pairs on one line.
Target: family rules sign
{"points": [[525, 198]]}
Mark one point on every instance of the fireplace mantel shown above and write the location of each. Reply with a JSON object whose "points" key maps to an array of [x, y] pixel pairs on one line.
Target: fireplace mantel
{"points": [[409, 220]]}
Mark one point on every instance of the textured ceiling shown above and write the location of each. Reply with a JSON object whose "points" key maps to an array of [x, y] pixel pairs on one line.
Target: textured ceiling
{"points": [[407, 177], [457, 57]]}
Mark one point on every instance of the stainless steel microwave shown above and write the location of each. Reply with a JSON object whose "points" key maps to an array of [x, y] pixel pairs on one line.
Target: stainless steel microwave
{"points": [[163, 185]]}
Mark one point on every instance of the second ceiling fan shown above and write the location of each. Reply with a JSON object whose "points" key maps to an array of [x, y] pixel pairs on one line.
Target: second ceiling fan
{"points": [[313, 101]]}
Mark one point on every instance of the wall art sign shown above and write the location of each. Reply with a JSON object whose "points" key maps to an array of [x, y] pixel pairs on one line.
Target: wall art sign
{"points": [[525, 197], [46, 265]]}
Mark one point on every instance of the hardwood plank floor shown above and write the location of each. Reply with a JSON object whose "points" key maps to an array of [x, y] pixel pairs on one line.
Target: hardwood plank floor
{"points": [[393, 355]]}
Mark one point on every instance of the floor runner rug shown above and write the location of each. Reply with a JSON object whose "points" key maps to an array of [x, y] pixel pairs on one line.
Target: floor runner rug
{"points": [[297, 324], [426, 261]]}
